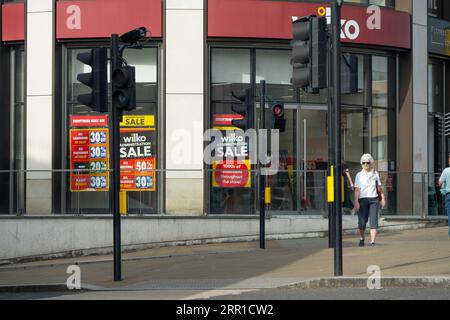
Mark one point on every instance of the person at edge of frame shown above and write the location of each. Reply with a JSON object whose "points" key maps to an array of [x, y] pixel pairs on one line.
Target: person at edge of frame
{"points": [[444, 183], [367, 202]]}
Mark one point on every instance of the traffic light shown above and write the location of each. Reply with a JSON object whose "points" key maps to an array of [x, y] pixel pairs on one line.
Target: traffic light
{"points": [[245, 109], [279, 122], [349, 73], [97, 79], [309, 53], [124, 88]]}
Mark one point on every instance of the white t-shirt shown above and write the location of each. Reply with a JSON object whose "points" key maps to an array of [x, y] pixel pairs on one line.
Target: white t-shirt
{"points": [[366, 183]]}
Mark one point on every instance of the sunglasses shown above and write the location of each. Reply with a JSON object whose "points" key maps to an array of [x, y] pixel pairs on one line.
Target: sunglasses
{"points": [[364, 163]]}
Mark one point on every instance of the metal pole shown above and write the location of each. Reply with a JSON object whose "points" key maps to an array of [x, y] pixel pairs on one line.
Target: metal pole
{"points": [[262, 178], [331, 215], [116, 117], [336, 26]]}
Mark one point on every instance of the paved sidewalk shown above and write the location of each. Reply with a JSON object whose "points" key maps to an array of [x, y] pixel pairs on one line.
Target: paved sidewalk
{"points": [[243, 266]]}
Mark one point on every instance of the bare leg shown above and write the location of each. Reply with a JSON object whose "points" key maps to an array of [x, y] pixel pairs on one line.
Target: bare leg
{"points": [[373, 235]]}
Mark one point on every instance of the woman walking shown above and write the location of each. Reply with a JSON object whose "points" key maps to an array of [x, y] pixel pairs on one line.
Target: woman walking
{"points": [[367, 199]]}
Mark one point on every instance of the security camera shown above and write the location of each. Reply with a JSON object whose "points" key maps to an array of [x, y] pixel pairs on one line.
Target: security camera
{"points": [[134, 36]]}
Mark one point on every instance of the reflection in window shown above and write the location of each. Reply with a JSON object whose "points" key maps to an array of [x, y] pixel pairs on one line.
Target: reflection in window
{"points": [[383, 137], [230, 72], [355, 136], [353, 73], [379, 81], [435, 87], [274, 67], [381, 3]]}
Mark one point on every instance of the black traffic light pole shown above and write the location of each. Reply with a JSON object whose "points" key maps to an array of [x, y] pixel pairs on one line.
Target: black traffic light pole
{"points": [[331, 214], [262, 178], [336, 74], [123, 94], [116, 116], [309, 51]]}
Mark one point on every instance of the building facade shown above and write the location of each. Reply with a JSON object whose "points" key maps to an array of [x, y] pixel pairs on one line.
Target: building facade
{"points": [[199, 53]]}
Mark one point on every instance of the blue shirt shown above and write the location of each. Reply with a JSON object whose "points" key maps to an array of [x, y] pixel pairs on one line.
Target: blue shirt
{"points": [[445, 179]]}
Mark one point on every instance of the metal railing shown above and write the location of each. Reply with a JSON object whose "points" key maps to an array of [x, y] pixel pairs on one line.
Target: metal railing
{"points": [[205, 191]]}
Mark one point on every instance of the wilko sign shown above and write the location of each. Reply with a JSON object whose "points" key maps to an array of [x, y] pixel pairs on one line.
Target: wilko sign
{"points": [[137, 153], [273, 20], [350, 29], [235, 168]]}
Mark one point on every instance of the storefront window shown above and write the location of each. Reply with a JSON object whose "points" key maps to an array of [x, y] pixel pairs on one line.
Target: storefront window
{"points": [[380, 81], [354, 71], [436, 87], [231, 72], [273, 66], [355, 136], [380, 138], [383, 3], [368, 125], [18, 133], [439, 9], [139, 179], [437, 139], [384, 125]]}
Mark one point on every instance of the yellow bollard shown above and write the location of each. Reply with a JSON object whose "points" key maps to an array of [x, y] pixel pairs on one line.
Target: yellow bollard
{"points": [[268, 196], [330, 186], [123, 207]]}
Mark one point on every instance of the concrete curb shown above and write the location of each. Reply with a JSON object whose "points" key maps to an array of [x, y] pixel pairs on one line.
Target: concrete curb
{"points": [[51, 287], [361, 282], [317, 283], [46, 287]]}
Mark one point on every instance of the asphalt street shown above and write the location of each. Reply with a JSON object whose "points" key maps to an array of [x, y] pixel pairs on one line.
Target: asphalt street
{"points": [[242, 271], [245, 295]]}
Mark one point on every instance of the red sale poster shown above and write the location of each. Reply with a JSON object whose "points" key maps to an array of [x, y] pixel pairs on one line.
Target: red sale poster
{"points": [[235, 169], [137, 153], [89, 154]]}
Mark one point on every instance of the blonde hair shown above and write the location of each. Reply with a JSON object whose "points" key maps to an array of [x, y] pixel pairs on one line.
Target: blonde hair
{"points": [[367, 158]]}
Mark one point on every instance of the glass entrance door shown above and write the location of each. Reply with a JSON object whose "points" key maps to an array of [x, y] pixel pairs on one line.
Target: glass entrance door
{"points": [[314, 159]]}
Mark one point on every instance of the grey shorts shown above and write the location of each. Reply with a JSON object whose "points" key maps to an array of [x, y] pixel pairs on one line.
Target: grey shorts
{"points": [[368, 213]]}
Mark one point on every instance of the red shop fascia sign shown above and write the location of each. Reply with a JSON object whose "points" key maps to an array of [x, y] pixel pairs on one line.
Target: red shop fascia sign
{"points": [[259, 19], [101, 18], [13, 22], [89, 19]]}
